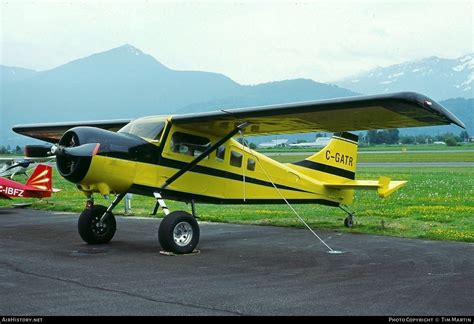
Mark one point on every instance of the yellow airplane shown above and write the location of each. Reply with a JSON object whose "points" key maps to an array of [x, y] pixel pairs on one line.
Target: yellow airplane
{"points": [[194, 158]]}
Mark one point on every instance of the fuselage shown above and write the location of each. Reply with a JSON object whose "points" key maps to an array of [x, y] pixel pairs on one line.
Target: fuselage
{"points": [[12, 189], [232, 174]]}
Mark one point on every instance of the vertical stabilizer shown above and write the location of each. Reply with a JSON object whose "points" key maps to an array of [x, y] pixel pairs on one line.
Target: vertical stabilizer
{"points": [[41, 178], [336, 162]]}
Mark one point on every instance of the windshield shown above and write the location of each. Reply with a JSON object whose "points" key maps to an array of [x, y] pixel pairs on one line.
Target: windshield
{"points": [[147, 127]]}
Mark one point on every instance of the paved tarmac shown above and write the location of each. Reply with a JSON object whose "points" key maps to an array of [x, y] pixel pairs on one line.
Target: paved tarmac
{"points": [[46, 269]]}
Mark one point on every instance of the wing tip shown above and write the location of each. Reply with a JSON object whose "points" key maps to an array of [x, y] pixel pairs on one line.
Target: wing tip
{"points": [[430, 104]]}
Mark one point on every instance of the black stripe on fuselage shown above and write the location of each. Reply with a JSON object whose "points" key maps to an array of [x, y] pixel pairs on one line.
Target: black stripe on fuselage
{"points": [[326, 169], [169, 163], [187, 197]]}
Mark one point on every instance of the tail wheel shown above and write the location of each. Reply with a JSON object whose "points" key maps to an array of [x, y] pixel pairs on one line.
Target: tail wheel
{"points": [[179, 232], [349, 222], [92, 230]]}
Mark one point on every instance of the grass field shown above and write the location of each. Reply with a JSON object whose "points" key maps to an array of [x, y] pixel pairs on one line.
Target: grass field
{"points": [[437, 203]]}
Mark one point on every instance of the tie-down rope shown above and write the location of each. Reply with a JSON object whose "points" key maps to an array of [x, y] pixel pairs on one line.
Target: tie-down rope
{"points": [[283, 197]]}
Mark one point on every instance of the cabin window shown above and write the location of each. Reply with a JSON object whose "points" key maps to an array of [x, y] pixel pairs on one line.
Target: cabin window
{"points": [[188, 144], [235, 159], [251, 164], [220, 153]]}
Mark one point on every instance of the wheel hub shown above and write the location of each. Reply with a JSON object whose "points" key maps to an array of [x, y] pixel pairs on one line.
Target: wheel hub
{"points": [[98, 227], [182, 233]]}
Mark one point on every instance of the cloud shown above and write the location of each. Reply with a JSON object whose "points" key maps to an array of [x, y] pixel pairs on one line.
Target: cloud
{"points": [[250, 41]]}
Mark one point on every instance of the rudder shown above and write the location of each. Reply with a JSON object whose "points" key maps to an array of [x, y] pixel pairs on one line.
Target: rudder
{"points": [[41, 178]]}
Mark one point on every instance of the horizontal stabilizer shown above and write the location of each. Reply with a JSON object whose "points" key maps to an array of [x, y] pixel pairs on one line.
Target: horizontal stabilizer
{"points": [[384, 185]]}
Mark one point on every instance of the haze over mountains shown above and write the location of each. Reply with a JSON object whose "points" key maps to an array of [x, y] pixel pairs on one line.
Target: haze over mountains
{"points": [[126, 83]]}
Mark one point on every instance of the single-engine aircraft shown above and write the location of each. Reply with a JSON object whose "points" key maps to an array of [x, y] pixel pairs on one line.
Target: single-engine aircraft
{"points": [[194, 158], [11, 167], [38, 185]]}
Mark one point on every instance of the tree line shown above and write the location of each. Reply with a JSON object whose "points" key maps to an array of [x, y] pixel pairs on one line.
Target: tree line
{"points": [[9, 150], [392, 136]]}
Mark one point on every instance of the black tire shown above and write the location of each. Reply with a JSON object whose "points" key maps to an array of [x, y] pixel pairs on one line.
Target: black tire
{"points": [[349, 222], [92, 232], [178, 232]]}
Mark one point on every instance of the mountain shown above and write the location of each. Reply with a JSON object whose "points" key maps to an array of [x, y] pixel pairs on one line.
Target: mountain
{"points": [[122, 82], [10, 74], [125, 83], [435, 77]]}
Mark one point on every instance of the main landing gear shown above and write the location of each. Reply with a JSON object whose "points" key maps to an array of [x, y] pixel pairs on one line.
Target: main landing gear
{"points": [[178, 231]]}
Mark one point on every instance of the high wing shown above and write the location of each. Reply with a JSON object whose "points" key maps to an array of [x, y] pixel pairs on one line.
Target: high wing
{"points": [[52, 132], [397, 110]]}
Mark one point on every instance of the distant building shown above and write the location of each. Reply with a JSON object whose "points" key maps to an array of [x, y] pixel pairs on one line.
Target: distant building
{"points": [[439, 143], [274, 143], [319, 142]]}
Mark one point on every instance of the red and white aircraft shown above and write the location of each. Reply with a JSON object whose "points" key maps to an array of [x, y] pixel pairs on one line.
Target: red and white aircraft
{"points": [[38, 185]]}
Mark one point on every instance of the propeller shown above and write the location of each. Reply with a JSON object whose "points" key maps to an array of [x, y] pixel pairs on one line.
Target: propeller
{"points": [[38, 151], [85, 150], [67, 156]]}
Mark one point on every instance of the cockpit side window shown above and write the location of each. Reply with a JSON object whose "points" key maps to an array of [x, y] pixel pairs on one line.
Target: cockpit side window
{"points": [[188, 144]]}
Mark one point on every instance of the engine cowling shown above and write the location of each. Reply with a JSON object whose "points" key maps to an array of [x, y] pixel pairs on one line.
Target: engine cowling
{"points": [[79, 145]]}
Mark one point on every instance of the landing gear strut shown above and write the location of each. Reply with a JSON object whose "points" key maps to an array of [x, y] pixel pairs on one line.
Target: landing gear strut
{"points": [[179, 231], [349, 220]]}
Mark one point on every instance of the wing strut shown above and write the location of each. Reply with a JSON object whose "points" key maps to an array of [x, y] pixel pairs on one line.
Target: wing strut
{"points": [[159, 200], [203, 155]]}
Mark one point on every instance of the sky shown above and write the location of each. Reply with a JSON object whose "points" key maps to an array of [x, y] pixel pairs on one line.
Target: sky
{"points": [[249, 41]]}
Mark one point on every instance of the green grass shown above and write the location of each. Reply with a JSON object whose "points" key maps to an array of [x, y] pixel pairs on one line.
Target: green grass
{"points": [[436, 203]]}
